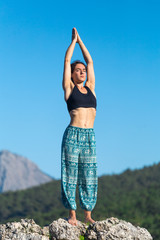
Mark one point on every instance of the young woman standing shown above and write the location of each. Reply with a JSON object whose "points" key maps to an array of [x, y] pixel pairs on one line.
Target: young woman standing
{"points": [[78, 152]]}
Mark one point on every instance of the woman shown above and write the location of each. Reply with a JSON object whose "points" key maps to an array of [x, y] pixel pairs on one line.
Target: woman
{"points": [[78, 154]]}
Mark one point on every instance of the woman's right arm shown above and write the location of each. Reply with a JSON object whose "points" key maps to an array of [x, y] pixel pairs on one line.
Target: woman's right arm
{"points": [[67, 63]]}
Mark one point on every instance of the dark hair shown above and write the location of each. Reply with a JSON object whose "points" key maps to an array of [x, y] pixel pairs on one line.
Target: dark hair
{"points": [[73, 64]]}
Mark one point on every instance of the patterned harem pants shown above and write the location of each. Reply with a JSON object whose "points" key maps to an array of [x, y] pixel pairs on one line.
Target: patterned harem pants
{"points": [[78, 165]]}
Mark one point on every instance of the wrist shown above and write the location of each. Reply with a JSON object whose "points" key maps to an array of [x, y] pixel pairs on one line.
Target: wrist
{"points": [[79, 41], [74, 40]]}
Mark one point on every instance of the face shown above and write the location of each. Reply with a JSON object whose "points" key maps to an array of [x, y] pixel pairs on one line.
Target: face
{"points": [[79, 74]]}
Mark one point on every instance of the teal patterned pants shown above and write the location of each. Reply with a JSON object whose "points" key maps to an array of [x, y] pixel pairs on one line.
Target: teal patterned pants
{"points": [[79, 166]]}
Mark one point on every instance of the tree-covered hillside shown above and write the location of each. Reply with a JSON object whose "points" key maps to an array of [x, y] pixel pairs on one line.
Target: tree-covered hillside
{"points": [[133, 196]]}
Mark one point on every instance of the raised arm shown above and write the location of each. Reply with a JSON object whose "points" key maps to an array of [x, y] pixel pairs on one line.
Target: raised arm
{"points": [[67, 62], [90, 69]]}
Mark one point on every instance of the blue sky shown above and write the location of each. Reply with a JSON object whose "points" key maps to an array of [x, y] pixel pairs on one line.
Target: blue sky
{"points": [[123, 39]]}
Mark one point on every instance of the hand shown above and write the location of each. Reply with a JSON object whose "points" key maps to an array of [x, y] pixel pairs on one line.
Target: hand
{"points": [[74, 34], [78, 38]]}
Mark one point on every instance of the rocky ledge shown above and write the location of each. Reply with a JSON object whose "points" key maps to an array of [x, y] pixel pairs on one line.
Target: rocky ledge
{"points": [[109, 229]]}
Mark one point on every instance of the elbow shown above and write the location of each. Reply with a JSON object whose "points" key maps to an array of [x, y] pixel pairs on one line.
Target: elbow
{"points": [[67, 60]]}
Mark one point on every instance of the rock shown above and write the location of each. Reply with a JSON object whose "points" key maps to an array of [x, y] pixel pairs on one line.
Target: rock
{"points": [[27, 229], [61, 229], [113, 229], [109, 229]]}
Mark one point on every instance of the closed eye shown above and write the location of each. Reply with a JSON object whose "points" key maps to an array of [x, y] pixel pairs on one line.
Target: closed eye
{"points": [[78, 69]]}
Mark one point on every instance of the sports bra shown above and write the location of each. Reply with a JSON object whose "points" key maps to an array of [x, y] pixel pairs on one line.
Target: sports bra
{"points": [[78, 99]]}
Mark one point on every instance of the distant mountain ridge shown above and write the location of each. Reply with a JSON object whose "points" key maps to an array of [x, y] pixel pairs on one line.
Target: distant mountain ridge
{"points": [[17, 172]]}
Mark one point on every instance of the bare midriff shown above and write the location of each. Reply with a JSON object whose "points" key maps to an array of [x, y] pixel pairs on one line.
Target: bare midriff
{"points": [[83, 117]]}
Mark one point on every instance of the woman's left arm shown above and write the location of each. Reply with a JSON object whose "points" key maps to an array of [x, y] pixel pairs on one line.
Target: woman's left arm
{"points": [[90, 69]]}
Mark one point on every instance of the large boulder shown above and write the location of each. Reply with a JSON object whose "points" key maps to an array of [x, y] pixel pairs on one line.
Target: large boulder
{"points": [[61, 229], [113, 229]]}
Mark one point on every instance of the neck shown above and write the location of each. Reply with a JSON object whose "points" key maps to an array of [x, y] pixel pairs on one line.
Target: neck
{"points": [[79, 85]]}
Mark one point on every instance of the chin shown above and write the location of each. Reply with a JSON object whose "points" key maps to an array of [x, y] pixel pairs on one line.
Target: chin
{"points": [[80, 81]]}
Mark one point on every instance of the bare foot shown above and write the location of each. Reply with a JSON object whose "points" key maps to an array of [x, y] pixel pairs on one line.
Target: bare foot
{"points": [[89, 220], [72, 221]]}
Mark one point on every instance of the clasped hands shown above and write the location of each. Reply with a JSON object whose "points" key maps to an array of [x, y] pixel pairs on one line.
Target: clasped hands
{"points": [[75, 35]]}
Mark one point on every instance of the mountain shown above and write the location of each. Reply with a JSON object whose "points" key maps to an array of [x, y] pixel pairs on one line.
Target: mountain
{"points": [[17, 172]]}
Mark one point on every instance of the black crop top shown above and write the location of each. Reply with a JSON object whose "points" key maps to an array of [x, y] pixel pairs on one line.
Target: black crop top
{"points": [[78, 99]]}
